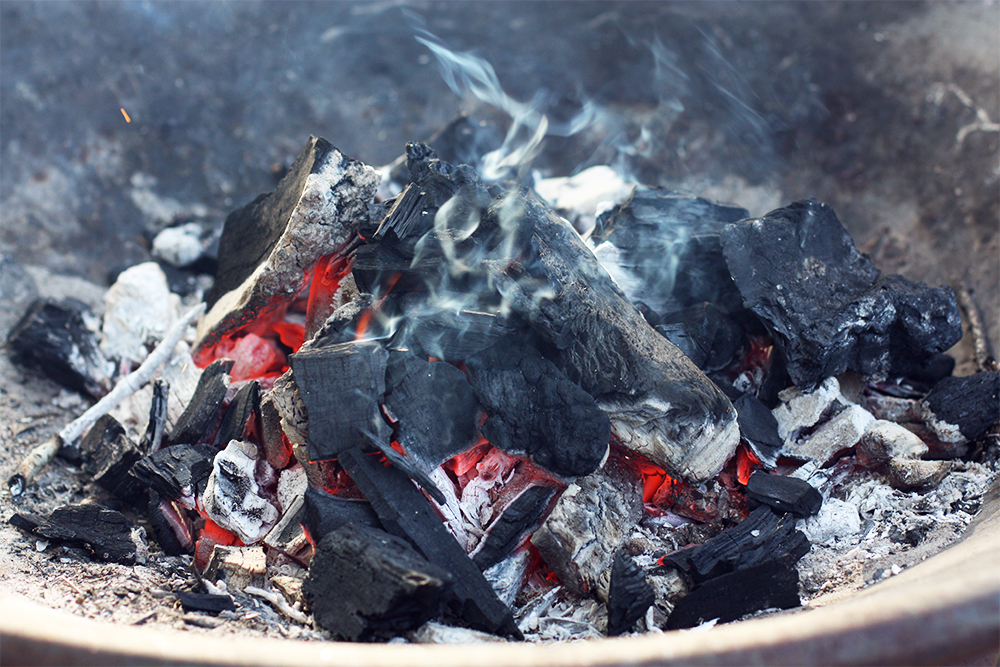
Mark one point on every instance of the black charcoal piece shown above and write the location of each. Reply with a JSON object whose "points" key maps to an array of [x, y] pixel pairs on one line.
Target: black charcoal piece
{"points": [[711, 338], [204, 406], [341, 385], [178, 472], [54, 336], [287, 536], [773, 584], [205, 602], [445, 333], [325, 513], [406, 466], [971, 404], [404, 512], [799, 271], [26, 521], [364, 583], [156, 429], [170, 528], [521, 517], [534, 409], [759, 428], [785, 494], [244, 408], [109, 455], [629, 595], [434, 406], [107, 534]]}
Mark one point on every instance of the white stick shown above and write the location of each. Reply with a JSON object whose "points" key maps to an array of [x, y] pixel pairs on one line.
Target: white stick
{"points": [[43, 454]]}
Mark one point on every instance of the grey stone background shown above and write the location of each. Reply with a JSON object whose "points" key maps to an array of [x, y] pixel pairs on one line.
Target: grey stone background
{"points": [[861, 104]]}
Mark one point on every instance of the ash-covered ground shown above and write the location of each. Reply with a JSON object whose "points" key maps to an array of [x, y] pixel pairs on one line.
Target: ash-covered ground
{"points": [[888, 111]]}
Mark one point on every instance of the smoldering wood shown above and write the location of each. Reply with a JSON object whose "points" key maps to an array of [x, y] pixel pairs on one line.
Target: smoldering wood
{"points": [[707, 335], [109, 455], [325, 513], [534, 409], [784, 494], [156, 427], [54, 336], [244, 408], [404, 512], [588, 524], [288, 536], [434, 406], [759, 428], [521, 517], [629, 594], [342, 326], [239, 567], [108, 535], [205, 602], [275, 450], [364, 583], [961, 409], [169, 527], [341, 385], [204, 405], [268, 245], [773, 584], [659, 403], [447, 333], [178, 472], [824, 302], [404, 465]]}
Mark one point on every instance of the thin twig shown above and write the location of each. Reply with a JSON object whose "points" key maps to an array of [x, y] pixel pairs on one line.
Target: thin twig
{"points": [[985, 361]]}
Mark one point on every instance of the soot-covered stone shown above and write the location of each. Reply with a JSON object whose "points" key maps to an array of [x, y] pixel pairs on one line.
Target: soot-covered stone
{"points": [[365, 583], [535, 409], [823, 301]]}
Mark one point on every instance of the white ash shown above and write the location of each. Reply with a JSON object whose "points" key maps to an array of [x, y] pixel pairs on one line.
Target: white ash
{"points": [[836, 522], [889, 439], [292, 485], [799, 410], [507, 577], [180, 246], [139, 309], [842, 431], [232, 497], [439, 633], [557, 615]]}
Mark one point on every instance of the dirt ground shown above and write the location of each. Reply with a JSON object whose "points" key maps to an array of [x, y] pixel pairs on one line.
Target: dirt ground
{"points": [[888, 111]]}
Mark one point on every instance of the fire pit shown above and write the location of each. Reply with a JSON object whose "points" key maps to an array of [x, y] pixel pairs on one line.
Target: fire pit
{"points": [[549, 348]]}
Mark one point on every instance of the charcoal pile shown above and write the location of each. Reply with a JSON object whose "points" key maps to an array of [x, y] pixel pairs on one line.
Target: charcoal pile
{"points": [[450, 409]]}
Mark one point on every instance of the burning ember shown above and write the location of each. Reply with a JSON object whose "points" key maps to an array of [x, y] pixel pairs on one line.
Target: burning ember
{"points": [[450, 411]]}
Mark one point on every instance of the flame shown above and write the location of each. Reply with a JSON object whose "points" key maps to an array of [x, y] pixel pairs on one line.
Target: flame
{"points": [[746, 463]]}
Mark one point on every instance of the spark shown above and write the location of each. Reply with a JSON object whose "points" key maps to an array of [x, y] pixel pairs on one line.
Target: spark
{"points": [[127, 119]]}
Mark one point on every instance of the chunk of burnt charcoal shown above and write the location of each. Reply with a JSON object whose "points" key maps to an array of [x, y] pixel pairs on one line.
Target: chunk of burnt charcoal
{"points": [[204, 406], [156, 428], [55, 337], [445, 333], [535, 409], [434, 406], [107, 534], [759, 428], [364, 583], [244, 408], [325, 513], [773, 584], [26, 521], [960, 409], [205, 602], [629, 595], [521, 517], [785, 494], [109, 454], [171, 529], [341, 385], [799, 271], [178, 472], [712, 339]]}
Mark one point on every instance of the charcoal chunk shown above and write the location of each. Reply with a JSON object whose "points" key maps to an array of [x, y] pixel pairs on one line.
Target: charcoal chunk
{"points": [[54, 336], [534, 409], [969, 404], [205, 602], [170, 528], [156, 428], [364, 583], [629, 595], [521, 517], [759, 428], [785, 494], [435, 407], [109, 454], [341, 385], [707, 335], [325, 513], [445, 333], [204, 406], [107, 534], [177, 473], [244, 408]]}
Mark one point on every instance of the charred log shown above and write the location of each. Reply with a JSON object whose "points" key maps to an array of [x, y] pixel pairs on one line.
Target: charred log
{"points": [[156, 428], [960, 410], [204, 406], [759, 428], [707, 335], [109, 454], [205, 602], [177, 473]]}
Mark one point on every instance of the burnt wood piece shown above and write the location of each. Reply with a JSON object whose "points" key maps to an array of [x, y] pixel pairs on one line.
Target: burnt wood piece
{"points": [[287, 536], [177, 473], [204, 405], [434, 406], [670, 243], [535, 409], [445, 333], [521, 517], [404, 465], [404, 512], [54, 336], [773, 584], [707, 335], [759, 428], [206, 602], [169, 527], [824, 302], [244, 407], [364, 583], [109, 455], [152, 439], [325, 513], [659, 403], [107, 534], [629, 594], [26, 521], [341, 385], [785, 494], [275, 450], [269, 245], [463, 140], [968, 405]]}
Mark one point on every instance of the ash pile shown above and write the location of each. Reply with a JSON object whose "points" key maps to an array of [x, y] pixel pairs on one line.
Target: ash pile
{"points": [[433, 410]]}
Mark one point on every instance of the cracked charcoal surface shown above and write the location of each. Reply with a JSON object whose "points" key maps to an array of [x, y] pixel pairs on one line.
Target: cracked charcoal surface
{"points": [[107, 534]]}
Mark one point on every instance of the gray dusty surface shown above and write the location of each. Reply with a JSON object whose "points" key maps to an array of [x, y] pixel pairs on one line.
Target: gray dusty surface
{"points": [[886, 110]]}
